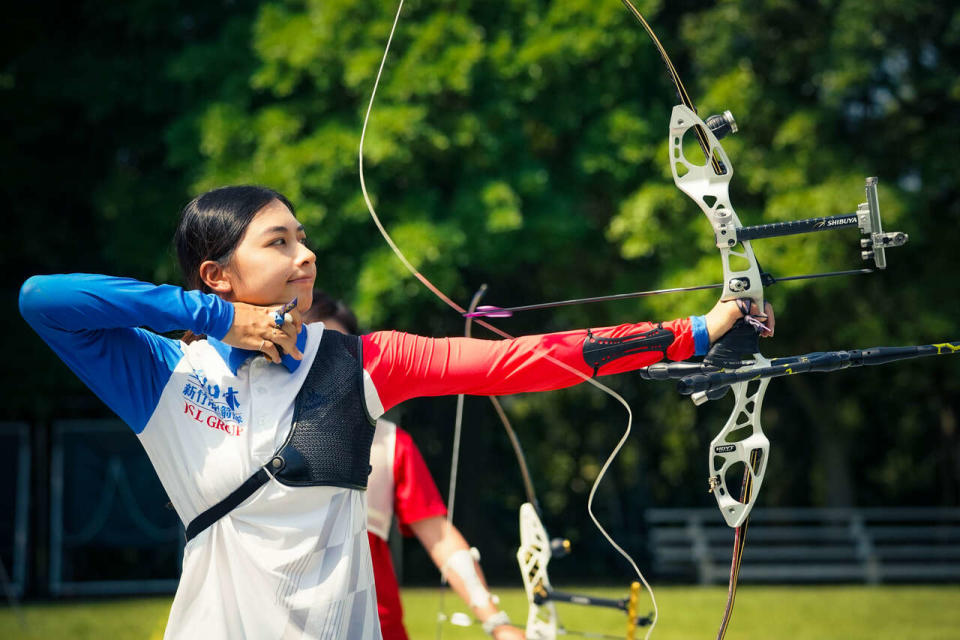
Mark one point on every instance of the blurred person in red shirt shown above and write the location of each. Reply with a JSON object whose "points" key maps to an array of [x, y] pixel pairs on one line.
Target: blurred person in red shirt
{"points": [[401, 485]]}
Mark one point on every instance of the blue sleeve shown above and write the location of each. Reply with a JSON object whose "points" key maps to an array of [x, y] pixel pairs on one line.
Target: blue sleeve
{"points": [[93, 323], [701, 339]]}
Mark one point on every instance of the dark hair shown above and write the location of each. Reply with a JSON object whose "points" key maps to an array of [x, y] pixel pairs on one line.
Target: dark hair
{"points": [[325, 307], [212, 225]]}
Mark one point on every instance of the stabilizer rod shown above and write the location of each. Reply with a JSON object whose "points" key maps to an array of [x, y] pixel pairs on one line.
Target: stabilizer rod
{"points": [[590, 601], [811, 362]]}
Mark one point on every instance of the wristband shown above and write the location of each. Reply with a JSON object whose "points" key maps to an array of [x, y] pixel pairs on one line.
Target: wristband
{"points": [[498, 619]]}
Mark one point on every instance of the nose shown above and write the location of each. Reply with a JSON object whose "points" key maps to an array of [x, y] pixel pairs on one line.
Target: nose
{"points": [[306, 255]]}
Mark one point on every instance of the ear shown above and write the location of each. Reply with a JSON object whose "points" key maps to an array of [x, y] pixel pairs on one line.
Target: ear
{"points": [[215, 276]]}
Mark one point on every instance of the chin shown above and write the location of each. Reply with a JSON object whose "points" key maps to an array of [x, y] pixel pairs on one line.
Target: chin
{"points": [[305, 300], [303, 292]]}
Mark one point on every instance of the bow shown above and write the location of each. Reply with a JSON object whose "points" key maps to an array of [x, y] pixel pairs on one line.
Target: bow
{"points": [[735, 363], [741, 448], [741, 445], [534, 554]]}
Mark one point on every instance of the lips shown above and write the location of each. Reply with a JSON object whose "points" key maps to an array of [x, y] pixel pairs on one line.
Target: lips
{"points": [[301, 279]]}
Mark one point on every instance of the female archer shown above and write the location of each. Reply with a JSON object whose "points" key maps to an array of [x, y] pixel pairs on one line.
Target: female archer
{"points": [[260, 433]]}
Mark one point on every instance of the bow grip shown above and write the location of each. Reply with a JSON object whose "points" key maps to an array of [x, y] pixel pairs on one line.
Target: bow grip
{"points": [[732, 350], [735, 348]]}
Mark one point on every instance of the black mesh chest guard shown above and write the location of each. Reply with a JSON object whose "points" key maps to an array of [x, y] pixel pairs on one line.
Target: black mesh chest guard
{"points": [[329, 442], [330, 439]]}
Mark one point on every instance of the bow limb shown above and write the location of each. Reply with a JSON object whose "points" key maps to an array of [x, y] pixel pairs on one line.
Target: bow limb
{"points": [[740, 445]]}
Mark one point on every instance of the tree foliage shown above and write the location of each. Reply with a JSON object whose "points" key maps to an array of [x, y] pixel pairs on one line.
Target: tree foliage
{"points": [[523, 145]]}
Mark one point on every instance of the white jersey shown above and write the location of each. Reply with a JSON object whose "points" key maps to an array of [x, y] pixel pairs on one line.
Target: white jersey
{"points": [[289, 562]]}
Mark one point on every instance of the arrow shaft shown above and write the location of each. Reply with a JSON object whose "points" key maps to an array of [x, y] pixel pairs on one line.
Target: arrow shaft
{"points": [[573, 301], [768, 279]]}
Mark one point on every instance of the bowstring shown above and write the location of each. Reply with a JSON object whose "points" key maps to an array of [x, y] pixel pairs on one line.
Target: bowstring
{"points": [[518, 452], [739, 541], [546, 356], [455, 463], [681, 90]]}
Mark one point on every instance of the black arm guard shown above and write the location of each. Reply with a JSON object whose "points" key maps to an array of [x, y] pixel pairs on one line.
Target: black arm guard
{"points": [[600, 351]]}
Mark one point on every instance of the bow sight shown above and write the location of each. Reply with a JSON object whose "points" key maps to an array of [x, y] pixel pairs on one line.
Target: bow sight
{"points": [[866, 218], [711, 379]]}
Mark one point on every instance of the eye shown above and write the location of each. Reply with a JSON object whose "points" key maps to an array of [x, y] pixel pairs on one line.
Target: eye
{"points": [[278, 242]]}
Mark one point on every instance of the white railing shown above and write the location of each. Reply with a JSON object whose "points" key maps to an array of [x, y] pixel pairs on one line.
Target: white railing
{"points": [[869, 545]]}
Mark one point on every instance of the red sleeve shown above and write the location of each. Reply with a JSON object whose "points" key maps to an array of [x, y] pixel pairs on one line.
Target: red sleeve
{"points": [[404, 366], [416, 497]]}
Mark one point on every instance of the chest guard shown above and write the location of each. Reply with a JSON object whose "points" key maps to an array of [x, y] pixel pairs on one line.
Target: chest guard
{"points": [[329, 441]]}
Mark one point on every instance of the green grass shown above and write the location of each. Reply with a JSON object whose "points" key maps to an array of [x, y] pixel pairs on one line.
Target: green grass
{"points": [[125, 619], [797, 613]]}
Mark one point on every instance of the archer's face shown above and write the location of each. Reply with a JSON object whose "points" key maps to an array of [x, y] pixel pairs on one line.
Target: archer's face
{"points": [[271, 265]]}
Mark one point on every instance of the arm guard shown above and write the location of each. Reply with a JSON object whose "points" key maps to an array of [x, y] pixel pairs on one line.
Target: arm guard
{"points": [[462, 564], [600, 351]]}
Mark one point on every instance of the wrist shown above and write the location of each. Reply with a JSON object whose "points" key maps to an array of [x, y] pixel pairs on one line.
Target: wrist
{"points": [[487, 610], [721, 319], [222, 321], [464, 564], [701, 336]]}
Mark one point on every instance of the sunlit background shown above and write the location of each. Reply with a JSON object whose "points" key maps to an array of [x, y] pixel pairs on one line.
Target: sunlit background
{"points": [[521, 144]]}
